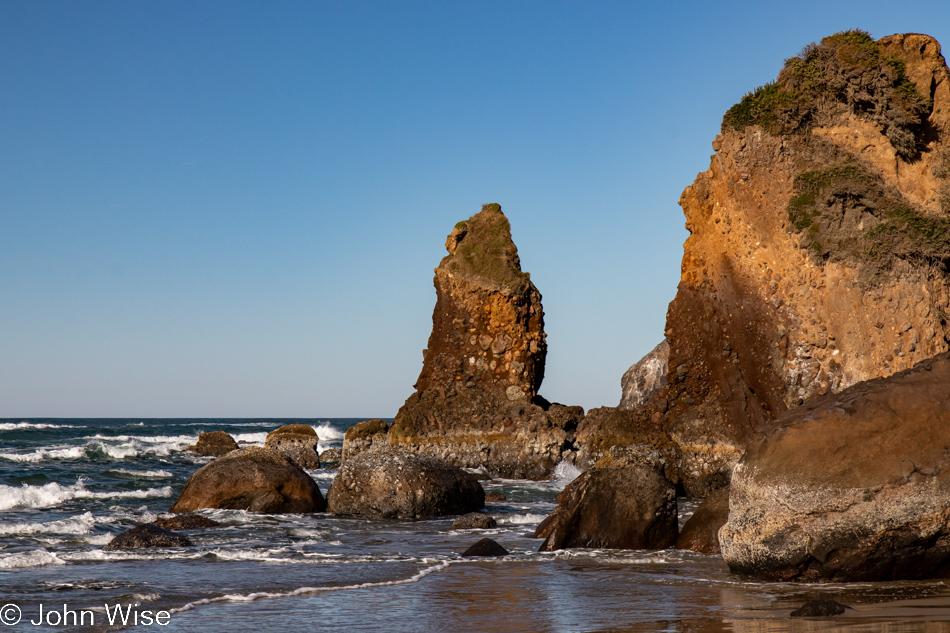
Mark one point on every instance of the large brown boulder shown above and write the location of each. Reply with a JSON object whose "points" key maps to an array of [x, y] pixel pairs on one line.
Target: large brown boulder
{"points": [[253, 479], [214, 444], [622, 502], [476, 398], [850, 487], [296, 442], [818, 245], [368, 435], [396, 484], [701, 531], [645, 378]]}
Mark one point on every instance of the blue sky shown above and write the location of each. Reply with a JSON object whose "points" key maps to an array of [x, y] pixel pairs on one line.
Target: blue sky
{"points": [[234, 208]]}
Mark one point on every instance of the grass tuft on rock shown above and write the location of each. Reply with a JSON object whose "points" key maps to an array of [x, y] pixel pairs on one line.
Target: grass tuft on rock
{"points": [[487, 251]]}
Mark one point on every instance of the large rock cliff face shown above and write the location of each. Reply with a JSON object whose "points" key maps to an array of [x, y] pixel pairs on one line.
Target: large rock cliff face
{"points": [[818, 251], [476, 401]]}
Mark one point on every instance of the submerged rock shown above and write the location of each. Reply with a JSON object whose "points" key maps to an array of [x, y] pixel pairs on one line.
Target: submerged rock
{"points": [[485, 547], [850, 487], [474, 521], [331, 457], [476, 401], [495, 496], [622, 502], [186, 522], [701, 531], [819, 609], [399, 485], [253, 479], [296, 442], [214, 444], [148, 535]]}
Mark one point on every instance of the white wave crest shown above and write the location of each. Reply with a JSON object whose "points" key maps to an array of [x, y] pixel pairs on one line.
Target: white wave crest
{"points": [[251, 438], [18, 426], [53, 494], [565, 473], [519, 519], [82, 524], [142, 474], [327, 433], [36, 558], [250, 597]]}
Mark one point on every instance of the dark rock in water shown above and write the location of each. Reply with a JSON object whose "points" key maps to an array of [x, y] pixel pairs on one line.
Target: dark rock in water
{"points": [[701, 532], [485, 547], [622, 502], [819, 609], [399, 485], [214, 444], [331, 457], [495, 496], [186, 522], [253, 479], [148, 535], [476, 401], [853, 486], [474, 521], [645, 378], [296, 442], [369, 435]]}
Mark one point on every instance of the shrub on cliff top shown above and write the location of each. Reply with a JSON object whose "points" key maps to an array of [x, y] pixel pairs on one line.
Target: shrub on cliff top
{"points": [[846, 73], [486, 249]]}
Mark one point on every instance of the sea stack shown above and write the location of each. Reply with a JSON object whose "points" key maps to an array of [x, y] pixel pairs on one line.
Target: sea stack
{"points": [[818, 249], [476, 401]]}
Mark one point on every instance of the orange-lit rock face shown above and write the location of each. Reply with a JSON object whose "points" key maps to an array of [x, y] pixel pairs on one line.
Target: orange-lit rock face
{"points": [[769, 314], [475, 402]]}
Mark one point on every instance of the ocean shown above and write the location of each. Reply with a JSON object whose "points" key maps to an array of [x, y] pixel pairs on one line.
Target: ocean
{"points": [[68, 486]]}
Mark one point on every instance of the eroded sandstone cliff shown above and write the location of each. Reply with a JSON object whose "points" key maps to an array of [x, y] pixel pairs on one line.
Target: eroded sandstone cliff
{"points": [[818, 251], [476, 401]]}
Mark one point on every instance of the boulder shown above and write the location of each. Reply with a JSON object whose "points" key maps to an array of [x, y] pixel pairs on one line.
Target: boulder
{"points": [[400, 485], [495, 496], [485, 547], [253, 479], [476, 401], [474, 521], [645, 378], [148, 535], [331, 457], [849, 487], [369, 435], [296, 442], [185, 522], [214, 444], [701, 531], [622, 502]]}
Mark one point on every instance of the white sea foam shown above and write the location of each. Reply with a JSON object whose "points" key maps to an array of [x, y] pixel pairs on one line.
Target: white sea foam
{"points": [[53, 494], [36, 558], [261, 595], [74, 452], [519, 519], [252, 438], [81, 524], [565, 473], [142, 474], [18, 426]]}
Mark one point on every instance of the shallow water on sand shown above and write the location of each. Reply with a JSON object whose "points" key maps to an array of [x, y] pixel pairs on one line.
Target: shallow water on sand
{"points": [[68, 486]]}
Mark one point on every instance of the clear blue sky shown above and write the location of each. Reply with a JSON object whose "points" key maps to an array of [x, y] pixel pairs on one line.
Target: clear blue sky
{"points": [[234, 208]]}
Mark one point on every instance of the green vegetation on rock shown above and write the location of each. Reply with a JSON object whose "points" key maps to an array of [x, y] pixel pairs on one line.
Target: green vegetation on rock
{"points": [[845, 73], [846, 212], [486, 250]]}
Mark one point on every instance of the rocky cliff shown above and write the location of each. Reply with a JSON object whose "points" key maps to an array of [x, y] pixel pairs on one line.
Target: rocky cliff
{"points": [[645, 378], [818, 251], [476, 401]]}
